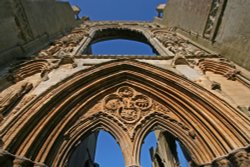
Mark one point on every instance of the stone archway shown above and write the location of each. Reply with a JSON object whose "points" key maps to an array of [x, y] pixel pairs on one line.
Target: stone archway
{"points": [[127, 98], [137, 31]]}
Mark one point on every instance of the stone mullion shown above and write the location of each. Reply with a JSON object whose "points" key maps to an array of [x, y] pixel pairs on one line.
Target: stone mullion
{"points": [[82, 46], [84, 43]]}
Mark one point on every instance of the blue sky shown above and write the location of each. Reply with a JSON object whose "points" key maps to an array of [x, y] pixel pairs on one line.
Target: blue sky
{"points": [[121, 46], [108, 153], [129, 10], [143, 10]]}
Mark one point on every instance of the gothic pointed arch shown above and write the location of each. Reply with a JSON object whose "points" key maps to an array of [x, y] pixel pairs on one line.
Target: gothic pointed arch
{"points": [[128, 98]]}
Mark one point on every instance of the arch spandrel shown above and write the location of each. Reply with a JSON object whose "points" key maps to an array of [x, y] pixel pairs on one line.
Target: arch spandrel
{"points": [[202, 122]]}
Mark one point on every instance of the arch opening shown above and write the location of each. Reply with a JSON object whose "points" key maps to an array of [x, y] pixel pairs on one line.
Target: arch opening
{"points": [[164, 150], [96, 149], [148, 146], [135, 77], [116, 41], [122, 47], [182, 154], [108, 151]]}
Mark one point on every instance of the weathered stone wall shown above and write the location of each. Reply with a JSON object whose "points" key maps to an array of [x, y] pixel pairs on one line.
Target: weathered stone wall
{"points": [[49, 17], [234, 33], [8, 28], [227, 25], [188, 14], [28, 25]]}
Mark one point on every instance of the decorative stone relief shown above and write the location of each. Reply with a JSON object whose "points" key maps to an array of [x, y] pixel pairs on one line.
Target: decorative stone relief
{"points": [[212, 19], [27, 69], [10, 96], [127, 104], [177, 45], [179, 60], [130, 110], [221, 67], [65, 45]]}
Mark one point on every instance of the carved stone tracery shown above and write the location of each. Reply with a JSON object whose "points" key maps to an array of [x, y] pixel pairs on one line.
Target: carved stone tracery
{"points": [[65, 45], [127, 104], [126, 107], [130, 110], [177, 45]]}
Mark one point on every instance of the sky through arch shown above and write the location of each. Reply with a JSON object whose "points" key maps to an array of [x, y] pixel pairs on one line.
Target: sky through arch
{"points": [[121, 46]]}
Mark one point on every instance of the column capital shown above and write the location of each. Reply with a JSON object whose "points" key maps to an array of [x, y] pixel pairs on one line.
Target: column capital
{"points": [[222, 163], [21, 162], [241, 159]]}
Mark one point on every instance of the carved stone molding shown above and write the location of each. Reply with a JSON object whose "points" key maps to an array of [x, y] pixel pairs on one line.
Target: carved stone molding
{"points": [[213, 18], [224, 68], [131, 110], [30, 68], [127, 104], [65, 45], [10, 97], [108, 24], [179, 60], [176, 44]]}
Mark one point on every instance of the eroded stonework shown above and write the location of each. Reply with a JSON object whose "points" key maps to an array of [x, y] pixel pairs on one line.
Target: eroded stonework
{"points": [[64, 93]]}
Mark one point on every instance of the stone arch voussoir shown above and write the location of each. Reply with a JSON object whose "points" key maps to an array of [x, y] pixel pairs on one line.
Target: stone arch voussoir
{"points": [[160, 98]]}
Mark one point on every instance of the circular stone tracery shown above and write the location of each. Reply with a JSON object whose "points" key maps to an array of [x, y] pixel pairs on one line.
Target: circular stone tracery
{"points": [[127, 104]]}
